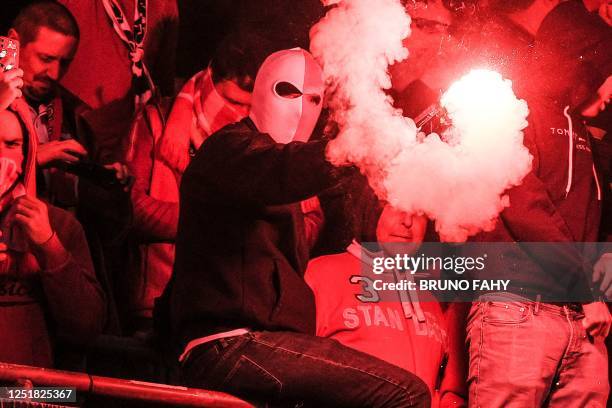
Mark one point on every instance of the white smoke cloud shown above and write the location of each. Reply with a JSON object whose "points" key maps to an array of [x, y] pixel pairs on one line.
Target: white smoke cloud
{"points": [[459, 184]]}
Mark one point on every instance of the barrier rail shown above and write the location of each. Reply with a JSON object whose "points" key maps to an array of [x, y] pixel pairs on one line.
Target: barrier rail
{"points": [[120, 388]]}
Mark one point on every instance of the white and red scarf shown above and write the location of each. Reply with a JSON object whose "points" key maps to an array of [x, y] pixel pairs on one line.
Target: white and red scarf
{"points": [[198, 112], [133, 38]]}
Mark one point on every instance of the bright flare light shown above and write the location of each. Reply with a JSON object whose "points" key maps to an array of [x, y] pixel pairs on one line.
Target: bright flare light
{"points": [[477, 103], [459, 184]]}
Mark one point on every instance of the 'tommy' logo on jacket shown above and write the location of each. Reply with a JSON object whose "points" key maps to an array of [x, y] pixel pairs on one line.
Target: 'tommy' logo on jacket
{"points": [[580, 142]]}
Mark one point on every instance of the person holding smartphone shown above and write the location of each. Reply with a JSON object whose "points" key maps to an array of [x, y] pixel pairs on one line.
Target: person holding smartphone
{"points": [[49, 36]]}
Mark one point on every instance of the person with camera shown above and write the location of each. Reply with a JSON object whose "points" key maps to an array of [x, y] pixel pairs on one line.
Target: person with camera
{"points": [[72, 171], [49, 36]]}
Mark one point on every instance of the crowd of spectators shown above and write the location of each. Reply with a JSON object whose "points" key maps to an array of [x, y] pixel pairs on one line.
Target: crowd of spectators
{"points": [[132, 136]]}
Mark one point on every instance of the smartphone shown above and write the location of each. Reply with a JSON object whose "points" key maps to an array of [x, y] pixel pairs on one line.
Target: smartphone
{"points": [[9, 53]]}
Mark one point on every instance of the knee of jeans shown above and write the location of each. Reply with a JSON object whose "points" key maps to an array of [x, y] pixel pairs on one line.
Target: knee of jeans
{"points": [[418, 391], [423, 396]]}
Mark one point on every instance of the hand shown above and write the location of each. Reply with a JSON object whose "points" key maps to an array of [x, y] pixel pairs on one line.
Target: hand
{"points": [[3, 249], [602, 272], [32, 216], [10, 86], [597, 319], [121, 172], [59, 150]]}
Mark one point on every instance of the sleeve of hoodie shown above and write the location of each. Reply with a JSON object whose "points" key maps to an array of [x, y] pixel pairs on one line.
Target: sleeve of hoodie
{"points": [[154, 219], [239, 165], [74, 297], [532, 217]]}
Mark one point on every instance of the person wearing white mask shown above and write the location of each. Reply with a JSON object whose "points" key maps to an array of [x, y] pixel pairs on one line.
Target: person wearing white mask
{"points": [[237, 308]]}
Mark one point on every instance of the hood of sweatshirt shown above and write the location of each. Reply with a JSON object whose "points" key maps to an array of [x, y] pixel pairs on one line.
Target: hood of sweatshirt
{"points": [[571, 61], [572, 55]]}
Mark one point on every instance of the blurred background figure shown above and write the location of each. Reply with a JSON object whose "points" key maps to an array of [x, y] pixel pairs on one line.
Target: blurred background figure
{"points": [[127, 53], [435, 57], [207, 22]]}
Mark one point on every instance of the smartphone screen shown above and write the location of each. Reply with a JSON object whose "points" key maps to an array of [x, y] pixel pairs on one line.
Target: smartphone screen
{"points": [[9, 53]]}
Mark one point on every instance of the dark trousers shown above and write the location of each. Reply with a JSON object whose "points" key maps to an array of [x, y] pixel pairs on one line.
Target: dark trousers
{"points": [[292, 369]]}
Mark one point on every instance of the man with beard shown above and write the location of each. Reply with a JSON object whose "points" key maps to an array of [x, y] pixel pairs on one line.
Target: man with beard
{"points": [[48, 37]]}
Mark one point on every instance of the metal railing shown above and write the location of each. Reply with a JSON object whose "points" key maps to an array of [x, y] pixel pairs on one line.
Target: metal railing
{"points": [[119, 388]]}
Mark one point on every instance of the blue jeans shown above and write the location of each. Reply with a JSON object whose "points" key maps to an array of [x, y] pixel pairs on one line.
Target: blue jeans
{"points": [[292, 369], [530, 354]]}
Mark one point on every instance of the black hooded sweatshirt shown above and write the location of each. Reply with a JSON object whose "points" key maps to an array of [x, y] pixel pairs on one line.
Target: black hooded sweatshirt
{"points": [[241, 250], [559, 200]]}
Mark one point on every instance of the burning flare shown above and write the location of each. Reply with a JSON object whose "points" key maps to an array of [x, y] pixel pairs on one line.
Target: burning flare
{"points": [[459, 183]]}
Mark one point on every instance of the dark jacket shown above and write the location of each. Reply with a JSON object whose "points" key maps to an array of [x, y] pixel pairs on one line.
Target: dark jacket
{"points": [[241, 251], [540, 211]]}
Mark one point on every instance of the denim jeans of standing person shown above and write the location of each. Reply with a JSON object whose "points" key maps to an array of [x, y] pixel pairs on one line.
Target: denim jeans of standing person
{"points": [[292, 369], [530, 354]]}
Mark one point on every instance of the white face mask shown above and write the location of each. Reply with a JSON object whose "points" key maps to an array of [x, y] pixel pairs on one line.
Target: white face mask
{"points": [[9, 172], [288, 96]]}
